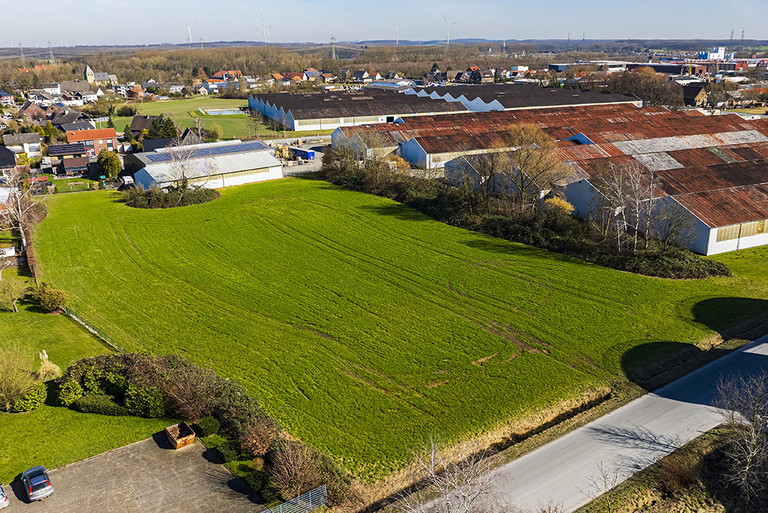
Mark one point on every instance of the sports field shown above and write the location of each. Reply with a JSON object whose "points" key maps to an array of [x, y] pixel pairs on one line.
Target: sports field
{"points": [[184, 113], [362, 325]]}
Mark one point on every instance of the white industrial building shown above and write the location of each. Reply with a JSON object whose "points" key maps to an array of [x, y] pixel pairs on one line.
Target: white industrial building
{"points": [[213, 165]]}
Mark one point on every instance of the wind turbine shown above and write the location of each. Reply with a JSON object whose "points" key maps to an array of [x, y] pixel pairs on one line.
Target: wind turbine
{"points": [[448, 31], [264, 29], [397, 33]]}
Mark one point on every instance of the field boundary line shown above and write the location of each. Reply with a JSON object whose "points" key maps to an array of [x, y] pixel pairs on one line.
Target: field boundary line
{"points": [[94, 331]]}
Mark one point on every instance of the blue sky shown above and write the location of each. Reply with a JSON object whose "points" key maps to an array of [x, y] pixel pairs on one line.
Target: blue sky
{"points": [[165, 21]]}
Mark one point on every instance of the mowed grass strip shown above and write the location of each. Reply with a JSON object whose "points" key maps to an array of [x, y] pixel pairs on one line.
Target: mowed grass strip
{"points": [[362, 325]]}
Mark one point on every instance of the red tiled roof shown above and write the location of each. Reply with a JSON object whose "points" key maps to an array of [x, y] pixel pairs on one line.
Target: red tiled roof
{"points": [[89, 135]]}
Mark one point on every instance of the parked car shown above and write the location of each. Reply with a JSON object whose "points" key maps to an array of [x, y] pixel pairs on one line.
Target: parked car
{"points": [[37, 483], [3, 497]]}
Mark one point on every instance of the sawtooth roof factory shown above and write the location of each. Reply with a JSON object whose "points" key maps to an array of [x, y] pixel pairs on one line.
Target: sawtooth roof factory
{"points": [[328, 110]]}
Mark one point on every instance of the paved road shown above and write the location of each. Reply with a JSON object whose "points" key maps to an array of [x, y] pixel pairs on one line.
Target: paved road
{"points": [[568, 471], [143, 477]]}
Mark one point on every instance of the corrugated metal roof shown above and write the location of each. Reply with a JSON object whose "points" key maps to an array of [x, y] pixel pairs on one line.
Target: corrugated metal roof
{"points": [[725, 207], [658, 161], [697, 179], [170, 171]]}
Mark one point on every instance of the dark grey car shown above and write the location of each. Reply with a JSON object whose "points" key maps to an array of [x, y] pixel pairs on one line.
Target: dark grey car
{"points": [[37, 483]]}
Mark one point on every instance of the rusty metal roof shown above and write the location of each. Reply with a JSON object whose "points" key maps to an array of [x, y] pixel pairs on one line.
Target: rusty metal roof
{"points": [[726, 207]]}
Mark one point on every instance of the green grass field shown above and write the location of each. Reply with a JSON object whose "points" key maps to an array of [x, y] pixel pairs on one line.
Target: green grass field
{"points": [[184, 113], [363, 326]]}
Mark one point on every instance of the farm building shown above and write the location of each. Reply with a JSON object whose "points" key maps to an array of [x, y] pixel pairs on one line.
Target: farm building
{"points": [[325, 110], [212, 165], [499, 97]]}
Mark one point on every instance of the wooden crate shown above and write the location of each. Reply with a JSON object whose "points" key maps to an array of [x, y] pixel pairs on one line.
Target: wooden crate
{"points": [[180, 435]]}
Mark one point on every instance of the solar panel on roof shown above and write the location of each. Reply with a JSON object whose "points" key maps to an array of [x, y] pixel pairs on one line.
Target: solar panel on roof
{"points": [[210, 151]]}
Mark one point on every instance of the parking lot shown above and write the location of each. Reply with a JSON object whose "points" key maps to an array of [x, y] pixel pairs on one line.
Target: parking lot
{"points": [[141, 477]]}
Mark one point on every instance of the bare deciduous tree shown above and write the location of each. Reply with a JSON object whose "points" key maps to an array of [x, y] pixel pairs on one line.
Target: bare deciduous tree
{"points": [[603, 485], [627, 197], [672, 225], [21, 204], [294, 469], [744, 402], [16, 376], [463, 487], [533, 165]]}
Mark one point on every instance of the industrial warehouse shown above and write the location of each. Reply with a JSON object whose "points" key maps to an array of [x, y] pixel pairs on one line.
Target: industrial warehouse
{"points": [[333, 109], [211, 165], [497, 97], [714, 167]]}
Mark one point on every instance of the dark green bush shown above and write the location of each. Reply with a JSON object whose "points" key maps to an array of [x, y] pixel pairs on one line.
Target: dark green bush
{"points": [[228, 451], [90, 380], [99, 403], [206, 426], [114, 384], [144, 402], [69, 392], [256, 480], [31, 400], [49, 298], [168, 198]]}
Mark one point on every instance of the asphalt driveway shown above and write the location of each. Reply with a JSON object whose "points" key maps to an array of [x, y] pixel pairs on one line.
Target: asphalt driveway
{"points": [[571, 470], [141, 477]]}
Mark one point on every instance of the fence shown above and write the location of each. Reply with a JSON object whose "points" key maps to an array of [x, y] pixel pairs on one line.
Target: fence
{"points": [[304, 503], [99, 333]]}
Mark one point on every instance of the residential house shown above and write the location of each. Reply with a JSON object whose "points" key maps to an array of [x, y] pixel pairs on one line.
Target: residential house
{"points": [[361, 76], [87, 96], [6, 99], [31, 112], [54, 88], [295, 78], [226, 75], [137, 91], [65, 116], [174, 88], [74, 86], [695, 95], [487, 77], [7, 160], [312, 74], [328, 77], [187, 138], [94, 140], [78, 125], [139, 123], [24, 143]]}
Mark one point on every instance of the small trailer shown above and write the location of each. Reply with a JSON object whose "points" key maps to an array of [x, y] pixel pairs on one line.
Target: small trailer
{"points": [[301, 153], [180, 435]]}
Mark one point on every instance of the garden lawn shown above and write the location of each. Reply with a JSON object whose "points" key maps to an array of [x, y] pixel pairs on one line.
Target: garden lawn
{"points": [[33, 331], [363, 326], [56, 436]]}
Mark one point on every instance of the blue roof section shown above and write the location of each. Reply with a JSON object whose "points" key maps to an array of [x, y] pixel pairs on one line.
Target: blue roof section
{"points": [[3, 93], [211, 151]]}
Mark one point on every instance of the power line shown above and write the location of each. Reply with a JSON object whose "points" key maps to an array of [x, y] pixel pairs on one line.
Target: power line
{"points": [[333, 48]]}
